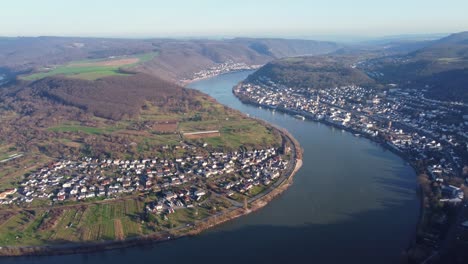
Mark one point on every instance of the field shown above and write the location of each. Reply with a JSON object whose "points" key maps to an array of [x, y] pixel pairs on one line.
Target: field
{"points": [[166, 126], [91, 222], [451, 60], [93, 69], [233, 133], [8, 152], [202, 134], [85, 129], [104, 221]]}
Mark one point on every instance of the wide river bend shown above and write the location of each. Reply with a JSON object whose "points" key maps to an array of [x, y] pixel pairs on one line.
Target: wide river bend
{"points": [[352, 202]]}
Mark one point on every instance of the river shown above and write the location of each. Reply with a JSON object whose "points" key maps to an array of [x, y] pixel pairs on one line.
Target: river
{"points": [[352, 202], [6, 76]]}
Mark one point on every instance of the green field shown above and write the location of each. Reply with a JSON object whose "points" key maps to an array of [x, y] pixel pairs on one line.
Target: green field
{"points": [[75, 224], [88, 73], [87, 222], [85, 129], [93, 69], [235, 133], [451, 60]]}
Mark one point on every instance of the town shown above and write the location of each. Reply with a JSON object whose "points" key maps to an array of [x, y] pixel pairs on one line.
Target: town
{"points": [[431, 135], [222, 68], [177, 183]]}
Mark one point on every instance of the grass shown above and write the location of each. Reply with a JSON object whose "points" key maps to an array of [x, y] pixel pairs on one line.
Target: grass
{"points": [[256, 190], [21, 229], [293, 59], [158, 140], [235, 133], [236, 130], [85, 129], [147, 57], [194, 126], [64, 230], [182, 217], [154, 113], [77, 71], [90, 69], [88, 222], [450, 60], [4, 156], [6, 150]]}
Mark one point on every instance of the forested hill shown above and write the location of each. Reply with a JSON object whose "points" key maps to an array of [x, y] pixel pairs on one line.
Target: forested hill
{"points": [[132, 116], [321, 72], [114, 97], [440, 68]]}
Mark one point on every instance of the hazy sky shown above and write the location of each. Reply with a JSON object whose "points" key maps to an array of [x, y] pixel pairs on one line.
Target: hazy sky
{"points": [[287, 18]]}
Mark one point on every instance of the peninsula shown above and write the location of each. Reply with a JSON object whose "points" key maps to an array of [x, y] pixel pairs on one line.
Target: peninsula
{"points": [[96, 155]]}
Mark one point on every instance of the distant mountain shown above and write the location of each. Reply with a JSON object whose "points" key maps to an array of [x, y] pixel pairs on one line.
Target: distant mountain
{"points": [[406, 38], [178, 59], [281, 48], [440, 67], [28, 53], [454, 46]]}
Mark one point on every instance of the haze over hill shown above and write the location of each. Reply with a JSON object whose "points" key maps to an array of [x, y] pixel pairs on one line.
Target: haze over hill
{"points": [[83, 88], [178, 59], [439, 67]]}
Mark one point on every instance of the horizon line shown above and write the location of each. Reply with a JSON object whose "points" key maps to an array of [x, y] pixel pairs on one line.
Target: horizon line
{"points": [[322, 37]]}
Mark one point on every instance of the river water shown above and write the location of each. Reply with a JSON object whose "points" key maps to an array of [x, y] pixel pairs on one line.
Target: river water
{"points": [[352, 202]]}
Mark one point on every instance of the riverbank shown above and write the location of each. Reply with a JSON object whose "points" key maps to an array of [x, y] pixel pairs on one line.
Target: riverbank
{"points": [[254, 204], [185, 83], [416, 168]]}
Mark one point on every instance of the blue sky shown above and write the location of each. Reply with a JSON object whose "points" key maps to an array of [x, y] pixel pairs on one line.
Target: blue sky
{"points": [[192, 18]]}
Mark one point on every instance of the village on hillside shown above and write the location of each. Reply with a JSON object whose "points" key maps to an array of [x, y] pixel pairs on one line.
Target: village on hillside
{"points": [[222, 68], [178, 183]]}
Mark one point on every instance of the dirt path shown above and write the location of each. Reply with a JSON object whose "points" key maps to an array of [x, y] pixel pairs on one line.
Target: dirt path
{"points": [[118, 230], [116, 62]]}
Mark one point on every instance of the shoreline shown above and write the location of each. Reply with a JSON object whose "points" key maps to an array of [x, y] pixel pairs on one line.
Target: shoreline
{"points": [[235, 212], [185, 83], [419, 192]]}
